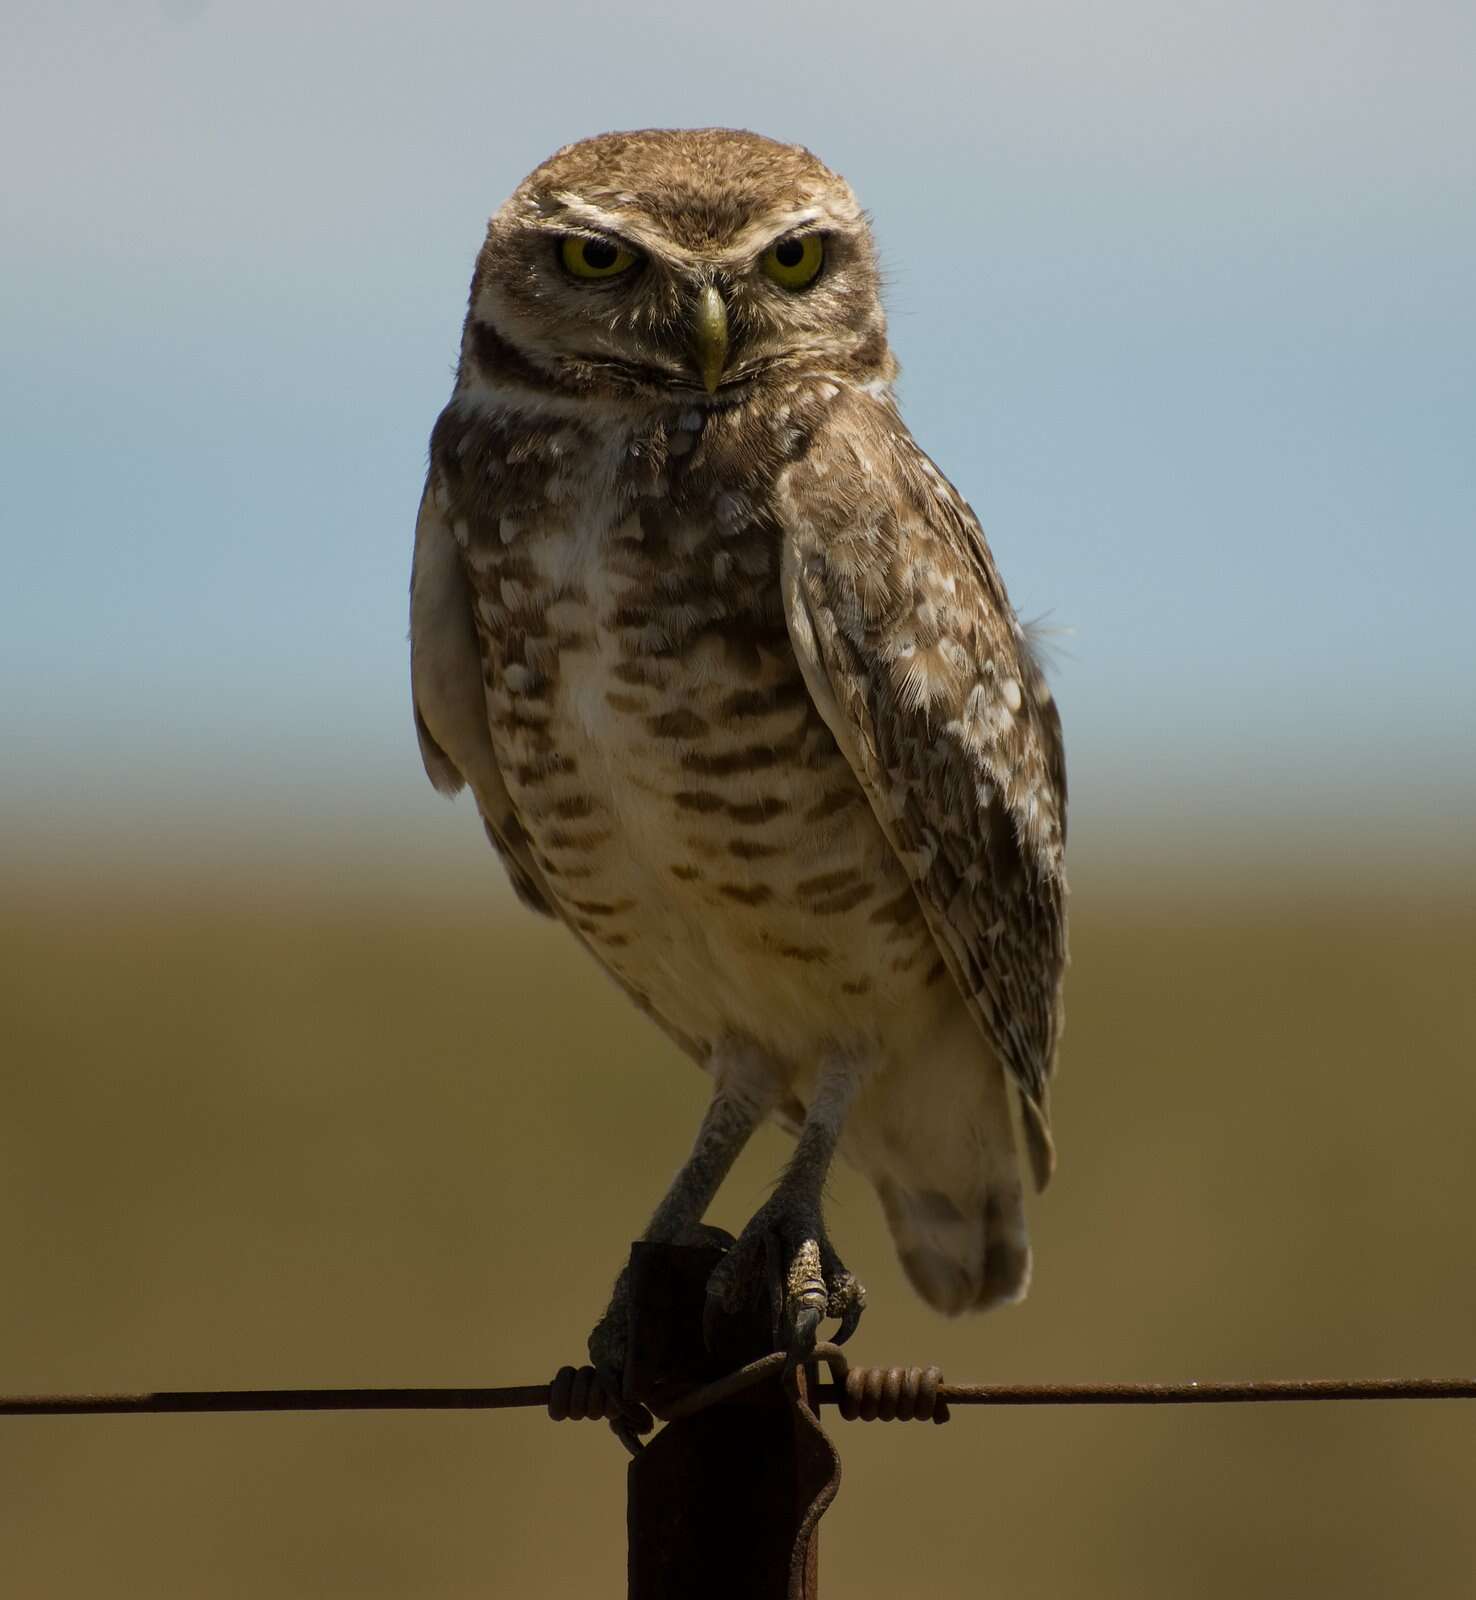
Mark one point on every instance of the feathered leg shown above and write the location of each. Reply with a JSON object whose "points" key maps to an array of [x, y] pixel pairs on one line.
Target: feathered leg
{"points": [[743, 1095], [784, 1249]]}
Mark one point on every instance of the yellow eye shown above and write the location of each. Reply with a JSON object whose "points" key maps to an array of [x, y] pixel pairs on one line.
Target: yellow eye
{"points": [[595, 258], [796, 261]]}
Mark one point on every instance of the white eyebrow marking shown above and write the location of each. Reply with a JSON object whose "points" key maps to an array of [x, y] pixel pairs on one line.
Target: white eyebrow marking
{"points": [[799, 219], [586, 211], [760, 236], [747, 243], [581, 215]]}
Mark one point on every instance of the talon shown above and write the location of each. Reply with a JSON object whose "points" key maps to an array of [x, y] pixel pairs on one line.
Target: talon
{"points": [[631, 1417], [627, 1417], [802, 1344], [784, 1251], [850, 1320], [628, 1436]]}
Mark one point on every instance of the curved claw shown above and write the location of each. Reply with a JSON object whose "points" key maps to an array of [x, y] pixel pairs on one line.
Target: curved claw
{"points": [[628, 1434], [850, 1321], [628, 1418], [802, 1341], [783, 1255]]}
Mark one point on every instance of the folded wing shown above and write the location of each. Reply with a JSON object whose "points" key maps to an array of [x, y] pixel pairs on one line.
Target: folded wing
{"points": [[916, 661], [450, 701]]}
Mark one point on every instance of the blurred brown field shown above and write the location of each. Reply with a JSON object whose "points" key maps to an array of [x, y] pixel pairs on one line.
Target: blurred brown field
{"points": [[344, 1130]]}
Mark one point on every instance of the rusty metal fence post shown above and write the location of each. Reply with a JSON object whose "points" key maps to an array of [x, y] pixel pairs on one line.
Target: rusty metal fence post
{"points": [[722, 1504]]}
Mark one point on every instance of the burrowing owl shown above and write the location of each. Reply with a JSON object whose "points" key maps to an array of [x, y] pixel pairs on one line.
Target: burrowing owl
{"points": [[728, 666]]}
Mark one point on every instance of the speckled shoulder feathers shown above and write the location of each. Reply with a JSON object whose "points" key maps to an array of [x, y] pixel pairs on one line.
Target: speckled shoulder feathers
{"points": [[911, 647]]}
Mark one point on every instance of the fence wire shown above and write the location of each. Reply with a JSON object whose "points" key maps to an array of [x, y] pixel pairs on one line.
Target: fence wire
{"points": [[853, 1385]]}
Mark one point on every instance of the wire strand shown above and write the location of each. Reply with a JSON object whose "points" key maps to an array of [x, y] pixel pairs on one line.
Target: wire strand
{"points": [[186, 1401]]}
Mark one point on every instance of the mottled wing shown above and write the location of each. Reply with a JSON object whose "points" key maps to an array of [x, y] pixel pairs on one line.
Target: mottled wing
{"points": [[915, 659], [450, 703]]}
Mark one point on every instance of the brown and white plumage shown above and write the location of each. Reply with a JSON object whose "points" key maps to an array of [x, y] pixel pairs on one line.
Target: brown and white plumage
{"points": [[728, 667]]}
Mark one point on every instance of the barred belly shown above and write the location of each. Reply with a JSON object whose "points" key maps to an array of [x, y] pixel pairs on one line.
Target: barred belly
{"points": [[691, 811]]}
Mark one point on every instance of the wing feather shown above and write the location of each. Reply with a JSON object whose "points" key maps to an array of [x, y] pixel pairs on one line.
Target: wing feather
{"points": [[450, 703], [914, 657]]}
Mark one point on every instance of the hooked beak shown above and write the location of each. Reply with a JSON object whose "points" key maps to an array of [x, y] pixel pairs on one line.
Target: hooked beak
{"points": [[710, 337]]}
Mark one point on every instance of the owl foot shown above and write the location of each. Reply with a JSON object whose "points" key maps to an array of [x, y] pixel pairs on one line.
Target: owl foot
{"points": [[609, 1341], [784, 1253]]}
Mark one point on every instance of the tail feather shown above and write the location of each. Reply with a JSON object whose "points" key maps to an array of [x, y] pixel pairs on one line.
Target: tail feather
{"points": [[961, 1259], [940, 1147], [1041, 1148]]}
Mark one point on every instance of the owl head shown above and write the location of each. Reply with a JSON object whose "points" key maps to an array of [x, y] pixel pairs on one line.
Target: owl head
{"points": [[688, 265]]}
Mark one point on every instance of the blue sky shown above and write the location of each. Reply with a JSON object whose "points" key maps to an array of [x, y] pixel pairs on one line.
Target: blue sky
{"points": [[1183, 295]]}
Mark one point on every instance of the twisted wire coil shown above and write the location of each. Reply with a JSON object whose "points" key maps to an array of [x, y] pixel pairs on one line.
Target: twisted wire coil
{"points": [[891, 1394], [577, 1394], [860, 1394]]}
